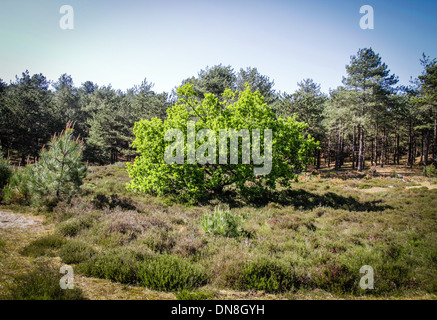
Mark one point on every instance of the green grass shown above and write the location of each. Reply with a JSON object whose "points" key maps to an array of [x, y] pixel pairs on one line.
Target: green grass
{"points": [[46, 246], [41, 284]]}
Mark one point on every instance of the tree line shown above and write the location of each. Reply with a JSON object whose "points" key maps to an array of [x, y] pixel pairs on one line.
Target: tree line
{"points": [[368, 118]]}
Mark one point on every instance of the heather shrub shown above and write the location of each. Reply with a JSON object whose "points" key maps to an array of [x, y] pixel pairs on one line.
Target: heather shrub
{"points": [[45, 246], [170, 273], [75, 251]]}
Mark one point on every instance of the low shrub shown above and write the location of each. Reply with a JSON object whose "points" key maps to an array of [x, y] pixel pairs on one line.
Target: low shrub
{"points": [[102, 201], [76, 252], [130, 223], [162, 272], [118, 265], [72, 226], [46, 246], [159, 240], [267, 275], [17, 191], [170, 273], [336, 278], [41, 284]]}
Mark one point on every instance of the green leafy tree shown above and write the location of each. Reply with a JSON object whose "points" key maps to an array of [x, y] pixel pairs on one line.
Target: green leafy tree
{"points": [[59, 172], [150, 172]]}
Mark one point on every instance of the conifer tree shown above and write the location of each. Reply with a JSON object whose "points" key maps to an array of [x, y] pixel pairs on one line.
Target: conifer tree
{"points": [[59, 172]]}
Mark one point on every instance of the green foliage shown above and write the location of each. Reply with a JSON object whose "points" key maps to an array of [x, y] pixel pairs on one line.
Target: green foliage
{"points": [[194, 295], [76, 252], [46, 246], [119, 265], [268, 275], [151, 174], [59, 172], [162, 272], [42, 284], [257, 82], [111, 116], [2, 244], [430, 171], [222, 223], [170, 273], [5, 172], [337, 278], [17, 191], [72, 226], [308, 103], [28, 115]]}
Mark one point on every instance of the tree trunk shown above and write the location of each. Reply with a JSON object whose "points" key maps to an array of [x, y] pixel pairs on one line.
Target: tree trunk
{"points": [[361, 151], [434, 151], [421, 148], [353, 150], [383, 149], [410, 146], [318, 159], [342, 150], [338, 151], [426, 151], [376, 145]]}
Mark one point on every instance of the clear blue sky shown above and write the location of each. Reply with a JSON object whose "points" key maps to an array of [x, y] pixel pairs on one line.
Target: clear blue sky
{"points": [[123, 42]]}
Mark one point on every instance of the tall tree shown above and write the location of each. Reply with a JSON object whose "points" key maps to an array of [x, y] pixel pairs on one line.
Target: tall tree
{"points": [[371, 79], [213, 80], [256, 81], [148, 104], [68, 99], [308, 103], [426, 101], [33, 117]]}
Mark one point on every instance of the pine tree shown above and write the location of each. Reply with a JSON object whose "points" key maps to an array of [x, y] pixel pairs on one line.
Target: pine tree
{"points": [[370, 78], [59, 172]]}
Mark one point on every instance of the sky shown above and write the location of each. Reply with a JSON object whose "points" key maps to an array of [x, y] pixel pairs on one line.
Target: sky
{"points": [[166, 41]]}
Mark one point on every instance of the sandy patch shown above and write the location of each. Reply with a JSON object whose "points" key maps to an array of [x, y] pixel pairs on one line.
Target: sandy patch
{"points": [[424, 184], [15, 220]]}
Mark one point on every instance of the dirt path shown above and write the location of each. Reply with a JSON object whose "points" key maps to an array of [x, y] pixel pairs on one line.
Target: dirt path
{"points": [[16, 220]]}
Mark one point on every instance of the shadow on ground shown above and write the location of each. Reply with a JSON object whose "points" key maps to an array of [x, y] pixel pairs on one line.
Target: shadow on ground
{"points": [[301, 199]]}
